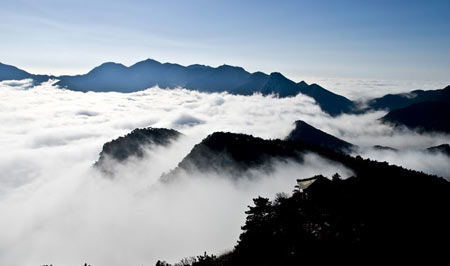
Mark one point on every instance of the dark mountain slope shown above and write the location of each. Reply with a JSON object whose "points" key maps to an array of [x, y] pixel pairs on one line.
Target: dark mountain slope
{"points": [[334, 104], [443, 148], [306, 133], [276, 83], [384, 213], [234, 154], [253, 84], [396, 101], [133, 145], [383, 148], [424, 117], [8, 72]]}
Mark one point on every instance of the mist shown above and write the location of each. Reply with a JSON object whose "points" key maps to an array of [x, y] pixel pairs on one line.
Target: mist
{"points": [[57, 209]]}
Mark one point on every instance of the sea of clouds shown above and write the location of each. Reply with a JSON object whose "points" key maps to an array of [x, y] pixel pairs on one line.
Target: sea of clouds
{"points": [[358, 89], [56, 209]]}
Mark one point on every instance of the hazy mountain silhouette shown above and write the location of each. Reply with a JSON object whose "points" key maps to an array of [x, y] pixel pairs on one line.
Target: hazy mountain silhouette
{"points": [[232, 79], [8, 72], [443, 148], [149, 73], [306, 133], [133, 145], [384, 148], [383, 213], [396, 101], [424, 117]]}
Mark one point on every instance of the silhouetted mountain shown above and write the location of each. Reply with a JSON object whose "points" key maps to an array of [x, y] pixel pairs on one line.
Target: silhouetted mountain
{"points": [[277, 83], [149, 73], [424, 117], [443, 148], [8, 72], [235, 80], [384, 213], [233, 154], [396, 101], [384, 148], [306, 133], [133, 145]]}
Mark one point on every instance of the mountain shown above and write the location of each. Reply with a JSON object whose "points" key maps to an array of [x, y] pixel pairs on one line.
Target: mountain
{"points": [[306, 133], [234, 154], [396, 101], [133, 145], [329, 102], [443, 148], [149, 73], [8, 72], [384, 148], [232, 79], [383, 213], [425, 117]]}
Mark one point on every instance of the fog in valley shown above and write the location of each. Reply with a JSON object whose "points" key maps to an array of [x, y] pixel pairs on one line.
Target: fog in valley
{"points": [[56, 208]]}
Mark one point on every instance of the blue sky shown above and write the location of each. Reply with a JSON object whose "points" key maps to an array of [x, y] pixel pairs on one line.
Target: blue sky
{"points": [[348, 38]]}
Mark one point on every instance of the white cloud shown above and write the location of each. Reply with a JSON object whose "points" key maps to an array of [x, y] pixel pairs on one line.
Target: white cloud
{"points": [[363, 89], [56, 209]]}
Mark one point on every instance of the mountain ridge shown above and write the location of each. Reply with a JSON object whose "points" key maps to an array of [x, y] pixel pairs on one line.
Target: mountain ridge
{"points": [[303, 132], [427, 116], [396, 101], [149, 73]]}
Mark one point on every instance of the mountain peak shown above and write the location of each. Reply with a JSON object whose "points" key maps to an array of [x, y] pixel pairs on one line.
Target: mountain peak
{"points": [[304, 132], [108, 66], [133, 145], [303, 83], [231, 68], [146, 62], [277, 75]]}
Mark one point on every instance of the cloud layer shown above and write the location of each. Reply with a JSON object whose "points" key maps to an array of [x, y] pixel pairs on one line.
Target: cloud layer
{"points": [[56, 209]]}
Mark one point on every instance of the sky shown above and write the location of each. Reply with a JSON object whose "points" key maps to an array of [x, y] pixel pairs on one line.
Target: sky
{"points": [[333, 39]]}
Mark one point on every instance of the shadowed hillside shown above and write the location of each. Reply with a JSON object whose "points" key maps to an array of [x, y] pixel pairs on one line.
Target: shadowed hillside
{"points": [[303, 132], [443, 148], [8, 72], [424, 117], [234, 154], [395, 101], [133, 145], [384, 213]]}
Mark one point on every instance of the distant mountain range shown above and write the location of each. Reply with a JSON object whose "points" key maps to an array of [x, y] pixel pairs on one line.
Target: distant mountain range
{"points": [[8, 72], [443, 148], [431, 116], [225, 78], [395, 101], [232, 79]]}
